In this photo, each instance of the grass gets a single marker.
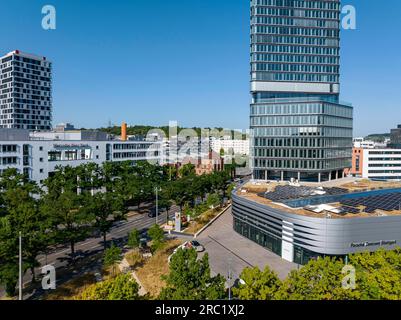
(68, 290)
(200, 221)
(149, 274)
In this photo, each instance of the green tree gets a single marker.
(156, 233)
(320, 279)
(107, 208)
(190, 279)
(213, 200)
(111, 256)
(187, 170)
(122, 287)
(20, 213)
(257, 284)
(134, 239)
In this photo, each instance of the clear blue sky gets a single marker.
(148, 62)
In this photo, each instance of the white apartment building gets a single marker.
(230, 146)
(37, 154)
(382, 164)
(25, 91)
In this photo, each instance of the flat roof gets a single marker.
(353, 203)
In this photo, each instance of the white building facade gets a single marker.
(37, 154)
(382, 164)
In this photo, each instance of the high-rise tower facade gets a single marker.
(300, 129)
(25, 91)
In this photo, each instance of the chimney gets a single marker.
(124, 132)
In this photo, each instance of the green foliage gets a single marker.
(112, 256)
(134, 239)
(20, 213)
(122, 287)
(213, 200)
(320, 279)
(156, 233)
(187, 170)
(190, 279)
(377, 277)
(258, 285)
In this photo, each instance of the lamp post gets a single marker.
(20, 266)
(157, 202)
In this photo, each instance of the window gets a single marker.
(41, 170)
(40, 148)
(41, 159)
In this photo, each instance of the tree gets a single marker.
(156, 233)
(258, 285)
(134, 239)
(190, 279)
(320, 279)
(187, 170)
(107, 208)
(122, 287)
(20, 214)
(111, 256)
(378, 274)
(213, 200)
(63, 203)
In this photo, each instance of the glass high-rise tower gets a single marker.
(299, 127)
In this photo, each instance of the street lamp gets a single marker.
(20, 266)
(157, 202)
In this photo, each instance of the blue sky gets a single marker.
(148, 62)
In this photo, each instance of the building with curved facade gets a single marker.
(296, 234)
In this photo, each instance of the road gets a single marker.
(60, 258)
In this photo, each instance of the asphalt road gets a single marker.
(60, 258)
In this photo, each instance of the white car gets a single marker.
(188, 245)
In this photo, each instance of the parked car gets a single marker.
(188, 245)
(197, 246)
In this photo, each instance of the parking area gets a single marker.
(230, 251)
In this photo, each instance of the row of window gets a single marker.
(303, 142)
(298, 13)
(300, 77)
(288, 58)
(301, 120)
(293, 22)
(303, 131)
(278, 164)
(312, 41)
(302, 108)
(316, 4)
(326, 51)
(303, 153)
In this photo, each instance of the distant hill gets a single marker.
(378, 137)
(142, 130)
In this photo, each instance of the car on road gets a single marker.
(188, 245)
(197, 246)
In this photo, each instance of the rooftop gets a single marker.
(357, 199)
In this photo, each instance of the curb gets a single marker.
(211, 221)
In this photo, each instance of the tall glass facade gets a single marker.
(300, 129)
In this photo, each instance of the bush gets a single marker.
(112, 255)
(122, 287)
(134, 258)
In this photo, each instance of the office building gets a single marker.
(300, 129)
(38, 154)
(25, 91)
(395, 137)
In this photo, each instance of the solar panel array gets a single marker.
(282, 193)
(385, 202)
